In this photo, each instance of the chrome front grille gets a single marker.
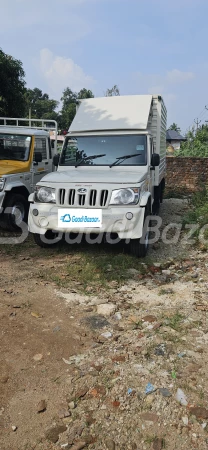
(93, 198)
(103, 197)
(62, 193)
(71, 197)
(81, 199)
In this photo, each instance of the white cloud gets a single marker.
(59, 72)
(176, 76)
(163, 83)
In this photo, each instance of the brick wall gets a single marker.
(186, 174)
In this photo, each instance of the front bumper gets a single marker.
(113, 221)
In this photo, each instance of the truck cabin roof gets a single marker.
(22, 130)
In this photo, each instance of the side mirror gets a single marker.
(155, 160)
(56, 160)
(38, 157)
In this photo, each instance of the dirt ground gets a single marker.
(95, 345)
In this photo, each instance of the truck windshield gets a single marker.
(14, 147)
(76, 150)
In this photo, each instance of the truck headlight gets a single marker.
(2, 183)
(128, 196)
(45, 194)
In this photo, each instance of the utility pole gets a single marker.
(197, 122)
(30, 117)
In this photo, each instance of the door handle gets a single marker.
(46, 162)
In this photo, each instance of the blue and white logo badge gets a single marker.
(66, 218)
(79, 218)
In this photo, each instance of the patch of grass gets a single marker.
(201, 395)
(137, 325)
(176, 193)
(18, 248)
(94, 267)
(149, 439)
(165, 291)
(149, 350)
(175, 321)
(197, 323)
(153, 438)
(171, 338)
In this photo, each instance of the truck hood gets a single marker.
(96, 176)
(8, 167)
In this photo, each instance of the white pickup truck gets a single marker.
(25, 157)
(110, 176)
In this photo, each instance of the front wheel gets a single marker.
(47, 240)
(139, 247)
(15, 212)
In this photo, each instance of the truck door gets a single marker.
(42, 145)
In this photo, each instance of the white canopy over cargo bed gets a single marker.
(112, 113)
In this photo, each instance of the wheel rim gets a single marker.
(18, 213)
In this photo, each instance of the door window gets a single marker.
(40, 147)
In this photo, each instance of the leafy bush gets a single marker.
(198, 213)
(195, 145)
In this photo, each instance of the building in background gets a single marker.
(173, 140)
(60, 141)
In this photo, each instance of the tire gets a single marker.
(139, 247)
(157, 201)
(46, 240)
(162, 192)
(13, 220)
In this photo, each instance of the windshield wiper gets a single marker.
(120, 159)
(88, 157)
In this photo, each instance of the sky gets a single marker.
(143, 46)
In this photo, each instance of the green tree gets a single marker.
(114, 91)
(42, 107)
(195, 145)
(12, 86)
(85, 93)
(175, 127)
(70, 100)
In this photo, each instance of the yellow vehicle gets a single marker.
(26, 155)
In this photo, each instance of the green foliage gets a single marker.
(70, 100)
(41, 106)
(85, 93)
(198, 214)
(12, 86)
(175, 321)
(196, 145)
(175, 127)
(112, 92)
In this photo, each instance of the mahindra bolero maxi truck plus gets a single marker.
(110, 175)
(25, 157)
